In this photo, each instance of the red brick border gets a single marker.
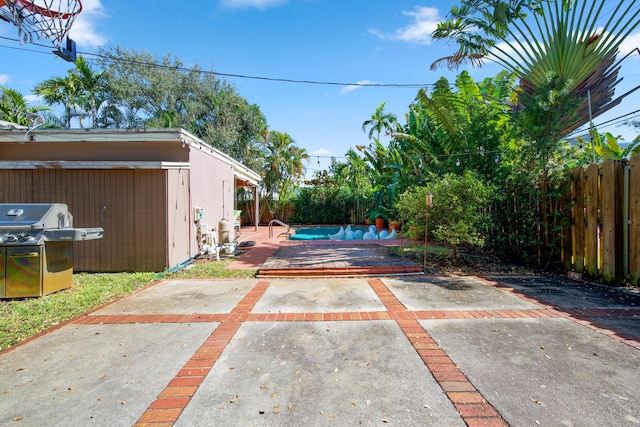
(472, 406)
(582, 316)
(474, 409)
(170, 403)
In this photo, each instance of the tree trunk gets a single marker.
(454, 255)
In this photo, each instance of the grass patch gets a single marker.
(23, 318)
(208, 269)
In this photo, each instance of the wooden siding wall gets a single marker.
(178, 216)
(595, 243)
(129, 204)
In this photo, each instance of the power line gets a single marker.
(263, 78)
(234, 75)
(272, 79)
(231, 75)
(607, 123)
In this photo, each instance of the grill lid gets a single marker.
(73, 234)
(35, 216)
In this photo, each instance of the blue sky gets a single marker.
(341, 41)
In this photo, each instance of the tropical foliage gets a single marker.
(284, 169)
(15, 108)
(380, 121)
(573, 43)
(607, 147)
(564, 53)
(326, 205)
(80, 92)
(494, 153)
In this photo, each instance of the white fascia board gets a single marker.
(169, 135)
(91, 135)
(64, 164)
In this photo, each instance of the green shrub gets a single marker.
(459, 213)
(411, 206)
(329, 205)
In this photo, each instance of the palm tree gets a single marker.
(283, 167)
(15, 108)
(356, 173)
(92, 85)
(572, 41)
(61, 91)
(468, 117)
(78, 92)
(379, 121)
(565, 56)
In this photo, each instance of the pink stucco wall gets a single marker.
(212, 188)
(179, 223)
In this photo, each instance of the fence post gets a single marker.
(578, 222)
(634, 218)
(591, 237)
(566, 224)
(429, 202)
(612, 270)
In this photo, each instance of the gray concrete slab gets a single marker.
(628, 325)
(568, 293)
(550, 372)
(183, 297)
(93, 375)
(461, 293)
(318, 295)
(318, 374)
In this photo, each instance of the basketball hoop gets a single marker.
(44, 19)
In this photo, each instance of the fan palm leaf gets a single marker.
(576, 40)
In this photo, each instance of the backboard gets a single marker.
(43, 20)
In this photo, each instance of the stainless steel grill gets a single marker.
(36, 256)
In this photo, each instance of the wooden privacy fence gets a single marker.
(604, 207)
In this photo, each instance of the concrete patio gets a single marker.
(394, 350)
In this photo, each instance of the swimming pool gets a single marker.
(320, 232)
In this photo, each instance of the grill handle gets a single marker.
(23, 255)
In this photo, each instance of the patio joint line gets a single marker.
(170, 403)
(581, 316)
(473, 408)
(470, 403)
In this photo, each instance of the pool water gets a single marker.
(320, 232)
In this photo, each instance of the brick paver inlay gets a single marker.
(472, 406)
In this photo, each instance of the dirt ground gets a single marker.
(471, 261)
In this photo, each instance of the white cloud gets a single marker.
(34, 99)
(358, 85)
(630, 43)
(83, 31)
(425, 22)
(246, 4)
(321, 152)
(4, 79)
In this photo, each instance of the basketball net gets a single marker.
(41, 19)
